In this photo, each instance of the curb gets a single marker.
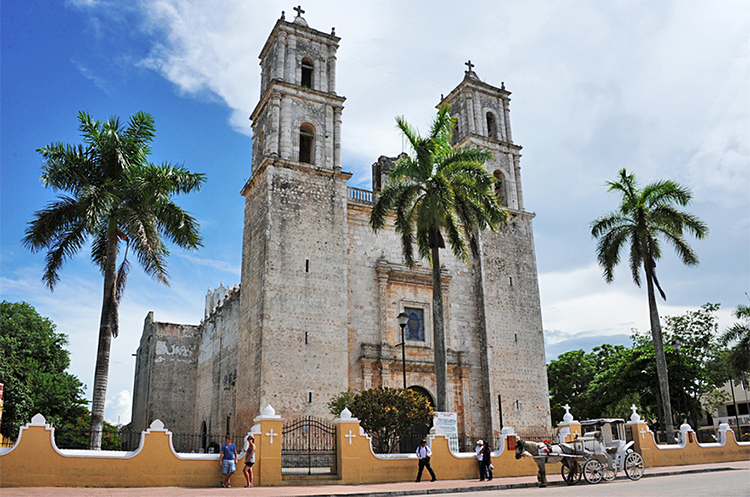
(507, 486)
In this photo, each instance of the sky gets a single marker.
(661, 88)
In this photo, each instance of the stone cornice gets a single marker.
(290, 164)
(292, 28)
(301, 92)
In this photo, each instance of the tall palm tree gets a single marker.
(645, 216)
(441, 190)
(739, 356)
(115, 198)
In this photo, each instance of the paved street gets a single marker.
(723, 479)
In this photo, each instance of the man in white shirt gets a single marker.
(478, 449)
(423, 454)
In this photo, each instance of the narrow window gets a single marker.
(511, 280)
(309, 397)
(228, 419)
(307, 265)
(500, 188)
(515, 337)
(500, 410)
(306, 143)
(305, 338)
(307, 73)
(491, 126)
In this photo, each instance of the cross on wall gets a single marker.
(350, 436)
(271, 434)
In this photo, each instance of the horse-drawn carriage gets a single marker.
(598, 454)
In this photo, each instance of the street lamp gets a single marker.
(403, 319)
(676, 345)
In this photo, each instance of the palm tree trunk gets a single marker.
(438, 332)
(101, 371)
(661, 360)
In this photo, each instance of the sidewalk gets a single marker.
(373, 490)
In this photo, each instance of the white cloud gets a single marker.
(117, 408)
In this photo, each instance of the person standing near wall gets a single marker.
(228, 460)
(485, 463)
(249, 461)
(423, 454)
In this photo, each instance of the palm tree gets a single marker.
(739, 356)
(440, 190)
(115, 198)
(643, 218)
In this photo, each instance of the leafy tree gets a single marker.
(115, 198)
(385, 413)
(608, 380)
(569, 377)
(702, 356)
(74, 434)
(33, 363)
(440, 190)
(645, 216)
(739, 333)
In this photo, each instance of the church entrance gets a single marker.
(308, 447)
(410, 441)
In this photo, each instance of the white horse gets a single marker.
(549, 454)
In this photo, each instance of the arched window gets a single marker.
(491, 126)
(500, 187)
(204, 438)
(306, 143)
(307, 73)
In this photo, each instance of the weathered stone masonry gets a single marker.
(316, 313)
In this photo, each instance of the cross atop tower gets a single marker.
(299, 10)
(469, 65)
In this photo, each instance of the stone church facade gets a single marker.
(316, 310)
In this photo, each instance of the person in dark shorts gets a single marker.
(249, 461)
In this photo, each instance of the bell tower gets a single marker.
(509, 331)
(291, 351)
(298, 117)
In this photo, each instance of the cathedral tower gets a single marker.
(292, 353)
(509, 321)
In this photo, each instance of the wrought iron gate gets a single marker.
(308, 442)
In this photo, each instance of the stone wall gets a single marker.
(165, 375)
(217, 366)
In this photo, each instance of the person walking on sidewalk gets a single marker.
(423, 454)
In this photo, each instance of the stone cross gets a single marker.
(469, 65)
(272, 434)
(299, 10)
(350, 436)
(643, 433)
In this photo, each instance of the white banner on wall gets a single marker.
(448, 423)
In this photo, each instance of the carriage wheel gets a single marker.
(634, 466)
(571, 476)
(609, 474)
(593, 471)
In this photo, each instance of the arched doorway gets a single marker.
(410, 441)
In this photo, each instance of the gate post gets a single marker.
(268, 446)
(351, 447)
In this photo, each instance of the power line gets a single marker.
(391, 73)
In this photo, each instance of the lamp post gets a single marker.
(403, 319)
(676, 345)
